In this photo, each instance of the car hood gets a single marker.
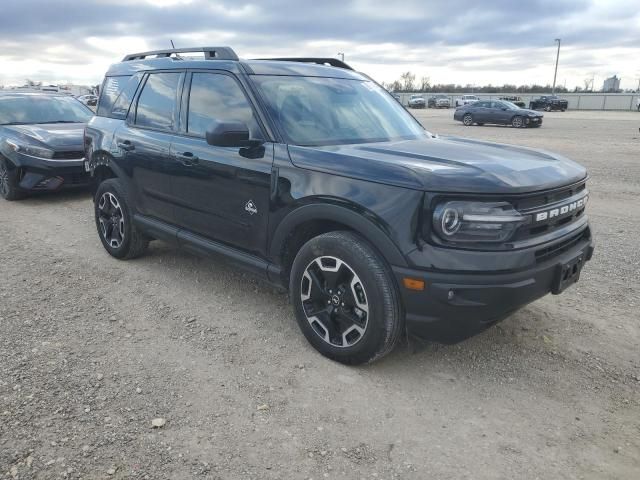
(530, 112)
(444, 164)
(57, 136)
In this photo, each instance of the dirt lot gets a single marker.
(93, 349)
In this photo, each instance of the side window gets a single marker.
(484, 104)
(157, 103)
(217, 97)
(111, 88)
(121, 105)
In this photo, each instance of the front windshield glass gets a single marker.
(29, 109)
(333, 111)
(509, 105)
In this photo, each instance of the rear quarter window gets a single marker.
(116, 95)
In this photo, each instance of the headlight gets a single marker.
(460, 221)
(31, 150)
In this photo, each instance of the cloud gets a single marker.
(498, 42)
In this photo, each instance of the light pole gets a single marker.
(341, 55)
(555, 73)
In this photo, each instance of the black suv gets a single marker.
(316, 178)
(548, 103)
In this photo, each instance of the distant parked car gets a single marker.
(465, 100)
(438, 101)
(416, 101)
(515, 100)
(497, 112)
(89, 100)
(548, 103)
(397, 97)
(41, 143)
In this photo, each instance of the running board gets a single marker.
(204, 247)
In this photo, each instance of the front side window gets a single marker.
(332, 111)
(157, 103)
(30, 109)
(218, 97)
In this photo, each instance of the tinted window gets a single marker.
(111, 88)
(331, 111)
(157, 102)
(217, 97)
(482, 104)
(26, 109)
(121, 105)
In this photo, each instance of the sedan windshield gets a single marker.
(509, 105)
(29, 109)
(331, 111)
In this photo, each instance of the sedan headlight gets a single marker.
(31, 150)
(460, 221)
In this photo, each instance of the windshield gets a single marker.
(331, 111)
(509, 105)
(29, 109)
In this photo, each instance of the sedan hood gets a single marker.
(444, 164)
(526, 111)
(57, 136)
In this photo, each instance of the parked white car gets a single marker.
(465, 100)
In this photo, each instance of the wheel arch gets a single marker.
(310, 220)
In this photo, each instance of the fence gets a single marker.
(577, 101)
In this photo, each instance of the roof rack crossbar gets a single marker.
(210, 53)
(334, 62)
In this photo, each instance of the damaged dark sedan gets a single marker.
(41, 143)
(497, 112)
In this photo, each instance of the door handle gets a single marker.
(187, 158)
(126, 145)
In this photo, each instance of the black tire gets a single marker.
(9, 189)
(547, 108)
(481, 124)
(372, 278)
(517, 122)
(133, 243)
(467, 119)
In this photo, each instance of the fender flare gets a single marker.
(329, 212)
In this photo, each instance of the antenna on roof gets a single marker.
(172, 45)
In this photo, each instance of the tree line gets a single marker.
(408, 83)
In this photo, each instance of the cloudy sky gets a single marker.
(451, 41)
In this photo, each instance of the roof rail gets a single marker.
(210, 53)
(334, 62)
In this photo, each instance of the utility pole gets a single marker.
(555, 73)
(342, 55)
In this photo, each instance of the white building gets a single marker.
(611, 84)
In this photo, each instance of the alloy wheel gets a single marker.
(517, 122)
(334, 301)
(111, 219)
(4, 179)
(467, 120)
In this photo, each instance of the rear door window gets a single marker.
(157, 104)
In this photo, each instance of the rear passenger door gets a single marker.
(144, 141)
(221, 193)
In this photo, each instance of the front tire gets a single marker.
(114, 221)
(467, 119)
(345, 298)
(9, 189)
(517, 122)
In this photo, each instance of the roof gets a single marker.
(31, 93)
(224, 58)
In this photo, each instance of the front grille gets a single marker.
(69, 155)
(561, 247)
(544, 202)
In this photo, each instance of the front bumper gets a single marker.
(40, 174)
(455, 306)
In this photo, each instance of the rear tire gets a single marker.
(9, 189)
(467, 119)
(345, 298)
(114, 221)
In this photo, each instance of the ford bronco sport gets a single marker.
(316, 178)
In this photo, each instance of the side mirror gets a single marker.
(230, 133)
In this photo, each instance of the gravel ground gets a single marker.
(93, 350)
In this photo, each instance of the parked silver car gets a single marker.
(416, 101)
